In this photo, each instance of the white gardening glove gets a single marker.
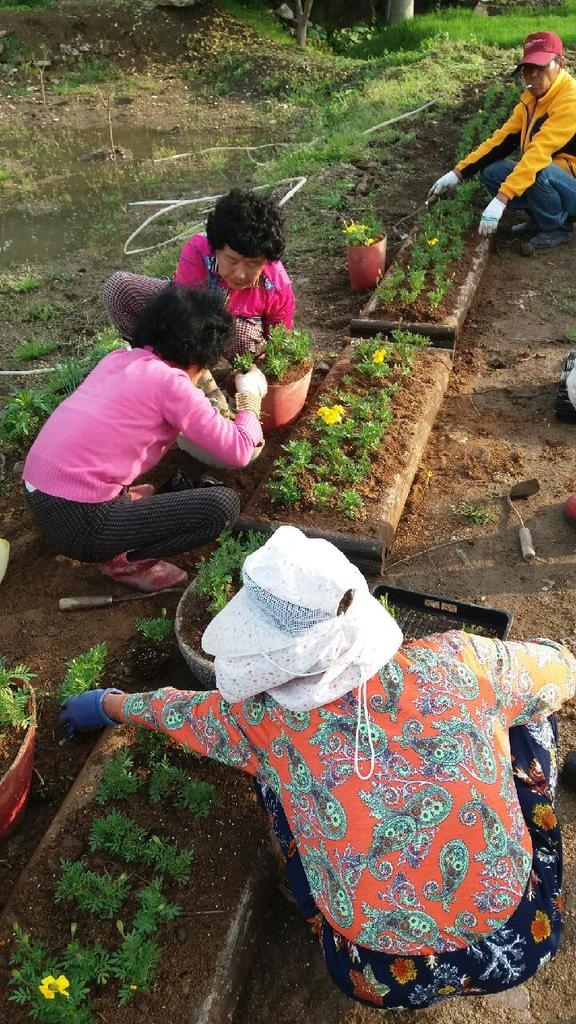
(571, 386)
(447, 181)
(491, 217)
(252, 383)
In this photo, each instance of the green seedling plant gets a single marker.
(29, 283)
(45, 984)
(134, 964)
(218, 576)
(285, 347)
(479, 512)
(91, 890)
(83, 672)
(15, 709)
(123, 837)
(157, 630)
(118, 780)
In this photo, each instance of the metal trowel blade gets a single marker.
(524, 488)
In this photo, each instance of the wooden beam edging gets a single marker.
(234, 959)
(391, 507)
(367, 326)
(366, 552)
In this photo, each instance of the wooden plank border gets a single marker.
(442, 335)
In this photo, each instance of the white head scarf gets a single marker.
(282, 633)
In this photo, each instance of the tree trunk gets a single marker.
(302, 15)
(400, 10)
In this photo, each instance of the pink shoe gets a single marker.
(570, 508)
(147, 574)
(141, 491)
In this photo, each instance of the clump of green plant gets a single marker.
(118, 781)
(480, 512)
(219, 575)
(28, 283)
(194, 795)
(123, 837)
(366, 232)
(157, 629)
(90, 890)
(34, 349)
(285, 347)
(15, 710)
(387, 605)
(27, 409)
(83, 672)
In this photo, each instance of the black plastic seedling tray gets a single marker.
(563, 407)
(419, 615)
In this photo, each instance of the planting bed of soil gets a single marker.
(190, 943)
(496, 426)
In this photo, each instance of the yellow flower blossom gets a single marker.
(331, 414)
(51, 985)
(133, 988)
(379, 355)
(432, 241)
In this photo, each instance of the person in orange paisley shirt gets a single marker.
(410, 785)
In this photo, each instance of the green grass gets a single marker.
(95, 71)
(479, 512)
(29, 283)
(261, 20)
(34, 349)
(40, 312)
(459, 25)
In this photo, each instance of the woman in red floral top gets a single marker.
(411, 786)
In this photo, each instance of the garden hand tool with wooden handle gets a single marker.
(524, 489)
(70, 604)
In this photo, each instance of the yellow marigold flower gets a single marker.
(51, 985)
(403, 970)
(543, 815)
(350, 228)
(540, 926)
(133, 988)
(331, 414)
(432, 241)
(369, 241)
(379, 355)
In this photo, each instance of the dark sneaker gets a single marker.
(549, 239)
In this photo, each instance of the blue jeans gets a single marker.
(550, 201)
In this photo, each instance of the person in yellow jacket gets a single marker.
(542, 127)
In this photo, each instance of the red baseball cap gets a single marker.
(540, 48)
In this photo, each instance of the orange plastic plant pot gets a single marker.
(283, 402)
(366, 264)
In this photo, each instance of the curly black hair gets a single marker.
(249, 224)
(188, 328)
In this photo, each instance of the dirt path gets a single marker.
(496, 426)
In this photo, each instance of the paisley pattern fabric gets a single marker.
(507, 957)
(433, 853)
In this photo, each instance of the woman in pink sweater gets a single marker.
(239, 256)
(120, 422)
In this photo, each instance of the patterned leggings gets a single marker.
(125, 296)
(154, 527)
(504, 959)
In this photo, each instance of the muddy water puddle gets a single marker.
(68, 193)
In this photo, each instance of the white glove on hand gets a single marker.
(252, 383)
(447, 181)
(491, 217)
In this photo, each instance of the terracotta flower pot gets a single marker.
(283, 402)
(366, 264)
(15, 783)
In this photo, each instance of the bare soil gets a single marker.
(496, 426)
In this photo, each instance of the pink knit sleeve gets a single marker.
(189, 411)
(192, 270)
(280, 307)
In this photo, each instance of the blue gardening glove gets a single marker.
(85, 712)
(491, 217)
